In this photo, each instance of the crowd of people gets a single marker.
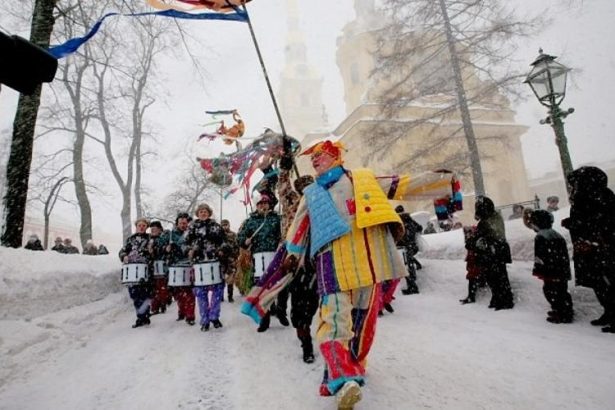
(330, 254)
(66, 246)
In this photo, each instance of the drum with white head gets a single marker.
(207, 273)
(160, 269)
(261, 262)
(180, 276)
(133, 273)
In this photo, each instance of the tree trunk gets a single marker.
(49, 205)
(138, 200)
(20, 159)
(477, 172)
(85, 227)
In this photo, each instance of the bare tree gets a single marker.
(18, 167)
(459, 50)
(191, 188)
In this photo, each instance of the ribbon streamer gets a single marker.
(73, 44)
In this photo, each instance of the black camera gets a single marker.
(25, 65)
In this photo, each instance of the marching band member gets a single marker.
(205, 238)
(228, 263)
(177, 255)
(156, 249)
(135, 250)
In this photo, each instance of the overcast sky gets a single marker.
(583, 38)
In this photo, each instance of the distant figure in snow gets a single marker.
(90, 248)
(552, 203)
(34, 244)
(58, 245)
(429, 228)
(102, 250)
(517, 212)
(68, 246)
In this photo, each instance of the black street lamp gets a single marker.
(548, 82)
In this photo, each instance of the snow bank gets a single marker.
(34, 283)
(449, 245)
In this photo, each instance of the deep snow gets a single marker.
(66, 343)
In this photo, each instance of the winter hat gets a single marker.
(328, 147)
(205, 207)
(33, 237)
(58, 239)
(483, 208)
(156, 224)
(542, 219)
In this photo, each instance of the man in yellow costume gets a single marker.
(346, 225)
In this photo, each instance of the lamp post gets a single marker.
(547, 78)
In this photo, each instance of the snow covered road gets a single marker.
(431, 353)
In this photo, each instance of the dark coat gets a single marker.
(58, 248)
(34, 245)
(136, 248)
(178, 256)
(411, 230)
(267, 238)
(489, 244)
(205, 237)
(592, 226)
(551, 260)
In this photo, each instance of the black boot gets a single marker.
(308, 349)
(389, 308)
(264, 325)
(230, 293)
(601, 321)
(283, 319)
(217, 323)
(138, 323)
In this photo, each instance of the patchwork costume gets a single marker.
(346, 217)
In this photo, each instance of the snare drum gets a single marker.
(261, 262)
(159, 269)
(132, 273)
(207, 273)
(180, 275)
(404, 255)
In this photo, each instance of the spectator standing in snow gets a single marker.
(492, 252)
(552, 203)
(135, 250)
(102, 250)
(429, 228)
(474, 274)
(90, 248)
(34, 244)
(68, 246)
(552, 266)
(58, 245)
(592, 229)
(410, 245)
(517, 212)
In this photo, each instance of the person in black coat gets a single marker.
(552, 266)
(492, 252)
(409, 243)
(592, 229)
(34, 244)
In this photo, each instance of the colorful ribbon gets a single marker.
(73, 44)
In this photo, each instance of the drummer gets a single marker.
(205, 238)
(156, 250)
(261, 233)
(177, 255)
(135, 250)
